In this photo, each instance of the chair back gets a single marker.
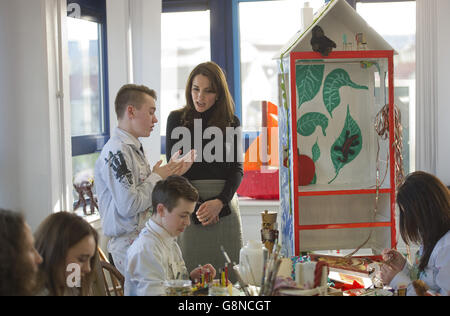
(117, 279)
(110, 279)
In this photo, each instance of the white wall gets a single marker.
(117, 13)
(134, 52)
(146, 29)
(29, 167)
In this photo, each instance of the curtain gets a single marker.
(427, 85)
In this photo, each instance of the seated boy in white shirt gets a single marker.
(155, 256)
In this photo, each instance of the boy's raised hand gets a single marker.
(162, 171)
(184, 163)
(176, 165)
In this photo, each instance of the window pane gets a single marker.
(85, 77)
(398, 27)
(265, 27)
(183, 48)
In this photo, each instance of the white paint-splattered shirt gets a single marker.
(153, 258)
(124, 184)
(436, 274)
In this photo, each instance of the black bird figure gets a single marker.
(320, 43)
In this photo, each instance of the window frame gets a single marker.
(95, 11)
(353, 2)
(224, 36)
(184, 5)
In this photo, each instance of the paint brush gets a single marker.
(265, 256)
(238, 275)
(226, 274)
(242, 283)
(225, 254)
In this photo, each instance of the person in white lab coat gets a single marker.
(123, 178)
(155, 256)
(424, 204)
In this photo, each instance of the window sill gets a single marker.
(91, 219)
(245, 201)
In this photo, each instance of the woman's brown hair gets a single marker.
(424, 204)
(16, 277)
(53, 239)
(223, 114)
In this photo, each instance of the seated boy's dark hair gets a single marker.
(167, 192)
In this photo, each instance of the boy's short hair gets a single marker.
(167, 192)
(131, 94)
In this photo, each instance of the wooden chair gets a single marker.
(116, 277)
(116, 286)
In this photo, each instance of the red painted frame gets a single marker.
(342, 192)
(380, 54)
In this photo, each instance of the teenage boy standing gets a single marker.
(123, 179)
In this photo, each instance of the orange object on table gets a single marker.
(346, 287)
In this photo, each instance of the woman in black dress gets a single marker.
(207, 124)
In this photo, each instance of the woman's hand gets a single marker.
(196, 274)
(208, 212)
(394, 262)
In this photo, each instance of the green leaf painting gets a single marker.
(315, 157)
(316, 152)
(314, 180)
(308, 123)
(335, 80)
(309, 80)
(348, 146)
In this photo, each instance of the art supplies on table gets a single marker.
(251, 262)
(271, 268)
(178, 287)
(222, 286)
(360, 265)
(241, 282)
(269, 230)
